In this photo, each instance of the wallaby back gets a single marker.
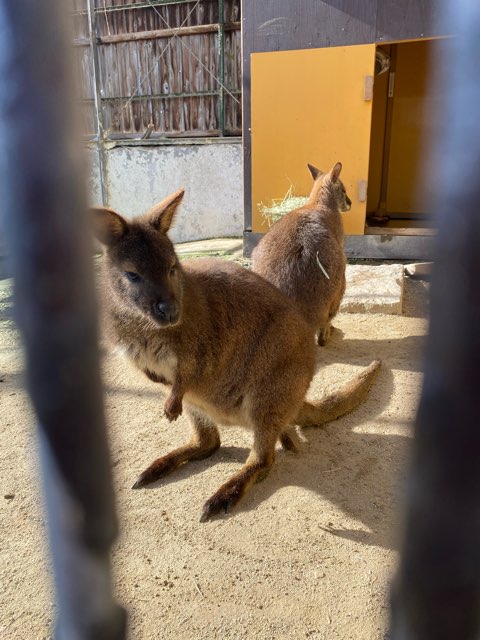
(228, 344)
(302, 254)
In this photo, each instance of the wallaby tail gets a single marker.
(343, 401)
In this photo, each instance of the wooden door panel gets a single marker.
(310, 106)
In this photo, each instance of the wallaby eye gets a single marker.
(133, 277)
(173, 270)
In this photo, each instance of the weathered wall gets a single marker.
(137, 177)
(172, 79)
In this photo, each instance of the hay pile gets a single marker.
(281, 206)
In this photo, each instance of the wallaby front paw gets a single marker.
(172, 408)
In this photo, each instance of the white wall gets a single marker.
(138, 177)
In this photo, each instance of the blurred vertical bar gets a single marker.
(43, 201)
(436, 594)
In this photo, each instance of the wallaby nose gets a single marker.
(167, 312)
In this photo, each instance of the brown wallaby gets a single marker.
(302, 254)
(230, 346)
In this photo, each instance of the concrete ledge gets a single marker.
(390, 247)
(374, 247)
(374, 289)
(370, 288)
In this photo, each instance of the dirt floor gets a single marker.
(310, 552)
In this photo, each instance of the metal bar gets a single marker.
(158, 34)
(168, 137)
(221, 66)
(132, 7)
(44, 205)
(95, 68)
(177, 140)
(161, 96)
(248, 34)
(437, 589)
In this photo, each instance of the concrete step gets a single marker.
(370, 288)
(374, 288)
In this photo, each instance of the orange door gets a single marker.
(313, 105)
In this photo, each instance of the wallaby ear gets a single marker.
(161, 215)
(314, 171)
(335, 172)
(108, 226)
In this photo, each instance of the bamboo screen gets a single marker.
(166, 68)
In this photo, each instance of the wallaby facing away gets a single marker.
(302, 254)
(230, 346)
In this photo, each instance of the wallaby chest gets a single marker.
(151, 355)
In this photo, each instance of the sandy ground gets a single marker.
(309, 553)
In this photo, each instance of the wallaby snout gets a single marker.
(166, 313)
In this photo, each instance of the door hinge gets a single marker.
(391, 83)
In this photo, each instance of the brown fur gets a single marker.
(288, 254)
(228, 345)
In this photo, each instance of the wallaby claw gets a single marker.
(158, 469)
(205, 515)
(139, 482)
(212, 509)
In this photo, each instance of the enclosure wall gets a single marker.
(137, 177)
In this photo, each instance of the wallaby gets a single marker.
(302, 253)
(230, 346)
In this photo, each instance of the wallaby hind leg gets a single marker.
(289, 440)
(323, 323)
(324, 334)
(255, 469)
(326, 328)
(205, 440)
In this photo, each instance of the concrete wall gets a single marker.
(138, 177)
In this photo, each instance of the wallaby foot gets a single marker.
(323, 335)
(288, 442)
(232, 491)
(205, 441)
(254, 470)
